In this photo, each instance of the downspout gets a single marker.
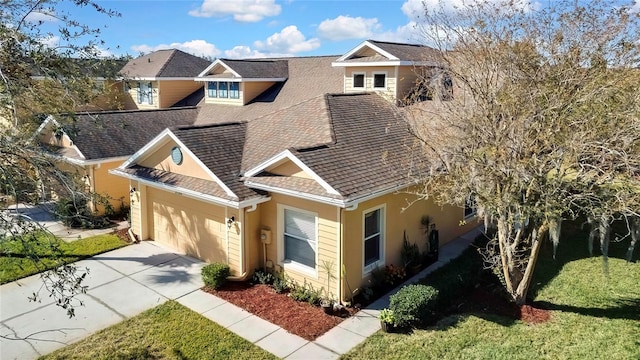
(340, 252)
(243, 249)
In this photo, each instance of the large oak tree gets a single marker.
(543, 125)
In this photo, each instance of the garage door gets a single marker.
(188, 226)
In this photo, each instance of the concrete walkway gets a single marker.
(125, 282)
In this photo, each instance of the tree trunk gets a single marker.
(520, 295)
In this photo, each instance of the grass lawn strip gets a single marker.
(594, 316)
(16, 264)
(168, 331)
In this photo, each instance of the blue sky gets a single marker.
(251, 28)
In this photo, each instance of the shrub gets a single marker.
(306, 293)
(215, 275)
(413, 304)
(262, 277)
(280, 283)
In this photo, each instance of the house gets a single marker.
(94, 143)
(291, 165)
(163, 79)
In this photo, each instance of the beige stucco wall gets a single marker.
(249, 90)
(406, 80)
(288, 168)
(172, 91)
(327, 239)
(113, 187)
(161, 159)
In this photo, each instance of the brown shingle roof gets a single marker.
(186, 182)
(170, 63)
(259, 68)
(407, 52)
(302, 125)
(372, 148)
(308, 78)
(219, 147)
(121, 133)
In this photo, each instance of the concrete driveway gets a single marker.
(122, 283)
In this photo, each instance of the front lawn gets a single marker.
(47, 251)
(168, 331)
(593, 316)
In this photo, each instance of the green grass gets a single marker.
(168, 331)
(40, 252)
(594, 316)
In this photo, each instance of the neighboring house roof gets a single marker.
(250, 69)
(111, 134)
(171, 63)
(308, 77)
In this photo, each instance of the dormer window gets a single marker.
(145, 92)
(358, 80)
(223, 89)
(380, 81)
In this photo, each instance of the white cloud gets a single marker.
(408, 33)
(50, 41)
(242, 10)
(243, 52)
(288, 41)
(347, 27)
(40, 16)
(195, 47)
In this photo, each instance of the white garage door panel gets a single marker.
(189, 226)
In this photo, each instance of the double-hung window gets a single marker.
(373, 239)
(300, 238)
(145, 93)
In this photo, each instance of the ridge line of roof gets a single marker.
(173, 54)
(212, 125)
(398, 43)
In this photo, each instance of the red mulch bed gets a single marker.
(299, 318)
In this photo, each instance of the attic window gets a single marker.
(176, 155)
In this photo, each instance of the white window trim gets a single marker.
(373, 80)
(364, 80)
(289, 265)
(367, 269)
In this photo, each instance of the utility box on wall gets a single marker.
(265, 236)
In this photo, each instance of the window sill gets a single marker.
(293, 266)
(367, 270)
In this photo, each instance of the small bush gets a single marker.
(262, 277)
(413, 304)
(280, 283)
(306, 293)
(215, 275)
